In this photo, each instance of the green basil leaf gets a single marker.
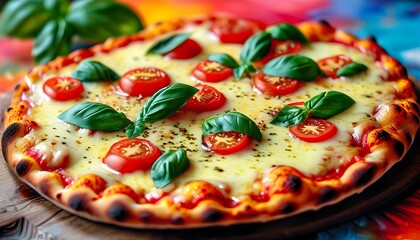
(99, 20)
(164, 103)
(95, 116)
(94, 71)
(293, 66)
(328, 104)
(242, 69)
(286, 31)
(351, 69)
(224, 59)
(256, 47)
(231, 121)
(169, 166)
(289, 116)
(54, 40)
(168, 44)
(23, 18)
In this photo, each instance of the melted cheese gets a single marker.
(238, 170)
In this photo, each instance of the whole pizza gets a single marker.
(213, 121)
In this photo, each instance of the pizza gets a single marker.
(211, 122)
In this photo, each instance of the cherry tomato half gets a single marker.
(280, 48)
(188, 49)
(143, 82)
(132, 154)
(207, 99)
(314, 130)
(209, 71)
(331, 65)
(275, 86)
(232, 30)
(225, 142)
(63, 88)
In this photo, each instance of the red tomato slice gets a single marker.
(132, 154)
(331, 65)
(209, 71)
(143, 82)
(280, 48)
(275, 86)
(63, 88)
(232, 30)
(314, 130)
(207, 99)
(188, 49)
(225, 142)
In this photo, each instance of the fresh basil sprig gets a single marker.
(293, 66)
(286, 31)
(323, 105)
(162, 104)
(94, 71)
(54, 23)
(224, 59)
(169, 166)
(95, 116)
(168, 44)
(231, 121)
(351, 69)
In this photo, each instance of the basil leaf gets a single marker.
(293, 66)
(23, 18)
(224, 59)
(351, 69)
(290, 115)
(168, 44)
(95, 116)
(242, 69)
(286, 31)
(54, 40)
(328, 104)
(98, 20)
(169, 166)
(256, 47)
(94, 71)
(162, 104)
(231, 121)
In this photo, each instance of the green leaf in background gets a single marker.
(98, 20)
(169, 166)
(256, 47)
(290, 115)
(286, 31)
(168, 44)
(94, 71)
(351, 69)
(328, 104)
(293, 66)
(224, 59)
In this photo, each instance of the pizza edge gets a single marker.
(289, 191)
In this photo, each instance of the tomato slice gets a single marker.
(207, 99)
(209, 71)
(188, 49)
(275, 86)
(132, 154)
(225, 142)
(232, 30)
(314, 130)
(331, 65)
(280, 48)
(143, 82)
(63, 88)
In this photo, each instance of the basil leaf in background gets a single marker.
(328, 104)
(168, 44)
(231, 121)
(293, 66)
(256, 47)
(286, 31)
(224, 59)
(95, 116)
(169, 166)
(54, 40)
(99, 20)
(94, 71)
(289, 116)
(164, 103)
(351, 69)
(23, 18)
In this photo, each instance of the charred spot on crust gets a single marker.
(212, 215)
(177, 220)
(325, 23)
(45, 187)
(327, 194)
(416, 119)
(78, 202)
(9, 133)
(382, 135)
(286, 208)
(145, 216)
(399, 148)
(23, 167)
(293, 183)
(414, 106)
(363, 176)
(408, 137)
(118, 211)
